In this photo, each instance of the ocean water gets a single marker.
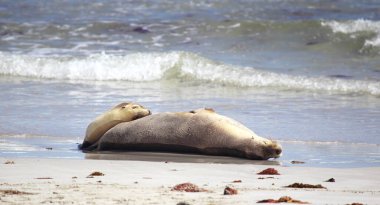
(304, 73)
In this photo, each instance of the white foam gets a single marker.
(373, 42)
(142, 67)
(226, 74)
(134, 67)
(355, 26)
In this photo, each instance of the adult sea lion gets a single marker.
(201, 131)
(123, 112)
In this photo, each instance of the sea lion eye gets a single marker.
(135, 107)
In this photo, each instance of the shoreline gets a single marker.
(65, 181)
(314, 154)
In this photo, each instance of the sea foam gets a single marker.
(143, 67)
(354, 26)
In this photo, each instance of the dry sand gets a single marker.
(65, 181)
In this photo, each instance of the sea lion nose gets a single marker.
(149, 112)
(278, 151)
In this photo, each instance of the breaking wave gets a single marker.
(144, 67)
(356, 27)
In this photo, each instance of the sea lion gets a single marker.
(123, 112)
(202, 131)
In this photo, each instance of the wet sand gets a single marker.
(68, 181)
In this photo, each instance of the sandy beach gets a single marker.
(303, 73)
(68, 181)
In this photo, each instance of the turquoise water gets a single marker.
(306, 73)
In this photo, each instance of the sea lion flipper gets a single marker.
(84, 145)
(91, 147)
(210, 110)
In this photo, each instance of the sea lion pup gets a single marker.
(123, 112)
(201, 131)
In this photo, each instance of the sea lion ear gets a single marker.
(122, 105)
(192, 111)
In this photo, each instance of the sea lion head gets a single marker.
(129, 111)
(123, 112)
(236, 136)
(262, 148)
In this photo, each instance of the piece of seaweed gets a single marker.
(95, 174)
(309, 186)
(230, 191)
(187, 187)
(269, 171)
(284, 199)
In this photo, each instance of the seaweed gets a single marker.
(230, 191)
(95, 174)
(309, 186)
(269, 171)
(330, 180)
(187, 187)
(14, 192)
(284, 199)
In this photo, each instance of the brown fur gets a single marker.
(200, 131)
(123, 112)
